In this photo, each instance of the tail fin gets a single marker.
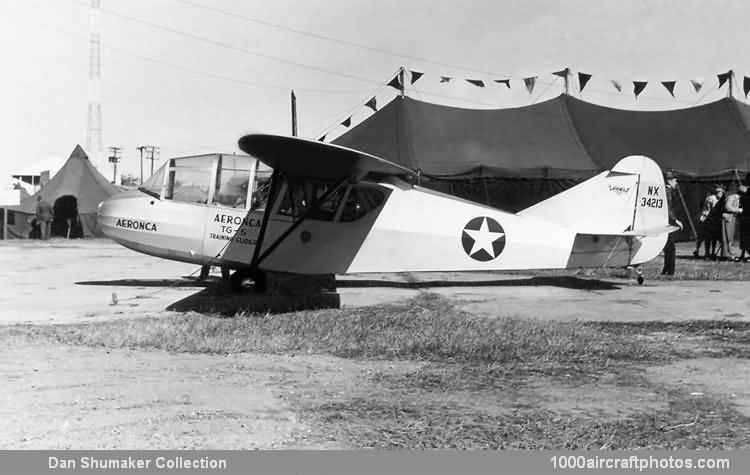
(628, 203)
(631, 198)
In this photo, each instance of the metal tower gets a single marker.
(94, 134)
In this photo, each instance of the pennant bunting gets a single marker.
(415, 76)
(322, 138)
(445, 78)
(347, 122)
(697, 84)
(503, 81)
(476, 82)
(562, 73)
(669, 85)
(395, 82)
(746, 85)
(372, 104)
(723, 78)
(638, 87)
(530, 83)
(616, 84)
(583, 79)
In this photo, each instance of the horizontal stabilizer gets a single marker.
(657, 231)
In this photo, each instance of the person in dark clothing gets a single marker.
(672, 198)
(44, 215)
(744, 220)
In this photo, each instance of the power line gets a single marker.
(331, 38)
(229, 46)
(176, 66)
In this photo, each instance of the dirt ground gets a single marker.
(61, 396)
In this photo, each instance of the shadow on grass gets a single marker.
(566, 281)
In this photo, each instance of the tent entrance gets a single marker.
(66, 222)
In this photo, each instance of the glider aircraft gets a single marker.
(300, 206)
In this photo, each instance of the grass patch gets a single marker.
(419, 411)
(426, 328)
(687, 423)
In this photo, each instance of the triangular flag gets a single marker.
(638, 87)
(395, 82)
(372, 104)
(347, 122)
(583, 79)
(503, 81)
(530, 83)
(322, 138)
(562, 73)
(723, 78)
(617, 84)
(746, 85)
(415, 76)
(670, 86)
(697, 84)
(445, 78)
(476, 82)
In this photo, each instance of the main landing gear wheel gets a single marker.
(245, 278)
(225, 273)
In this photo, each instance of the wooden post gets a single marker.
(294, 115)
(402, 79)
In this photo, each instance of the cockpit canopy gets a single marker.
(224, 180)
(217, 179)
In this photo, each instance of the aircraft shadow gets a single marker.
(568, 282)
(182, 282)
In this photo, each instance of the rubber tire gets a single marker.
(226, 273)
(640, 280)
(258, 277)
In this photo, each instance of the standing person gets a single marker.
(744, 219)
(705, 235)
(713, 222)
(672, 198)
(44, 215)
(728, 221)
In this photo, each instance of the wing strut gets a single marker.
(258, 259)
(266, 216)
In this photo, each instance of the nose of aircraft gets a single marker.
(113, 208)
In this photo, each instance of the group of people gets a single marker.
(720, 214)
(722, 211)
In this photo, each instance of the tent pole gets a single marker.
(402, 78)
(5, 224)
(687, 214)
(731, 82)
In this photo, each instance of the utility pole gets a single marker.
(114, 157)
(294, 115)
(152, 153)
(141, 149)
(731, 82)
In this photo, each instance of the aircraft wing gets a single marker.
(317, 160)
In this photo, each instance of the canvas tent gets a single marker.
(513, 158)
(76, 190)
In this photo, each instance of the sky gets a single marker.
(193, 76)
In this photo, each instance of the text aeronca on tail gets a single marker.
(325, 209)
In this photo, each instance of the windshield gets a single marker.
(153, 185)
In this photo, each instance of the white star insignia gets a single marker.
(483, 239)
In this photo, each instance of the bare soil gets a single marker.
(55, 395)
